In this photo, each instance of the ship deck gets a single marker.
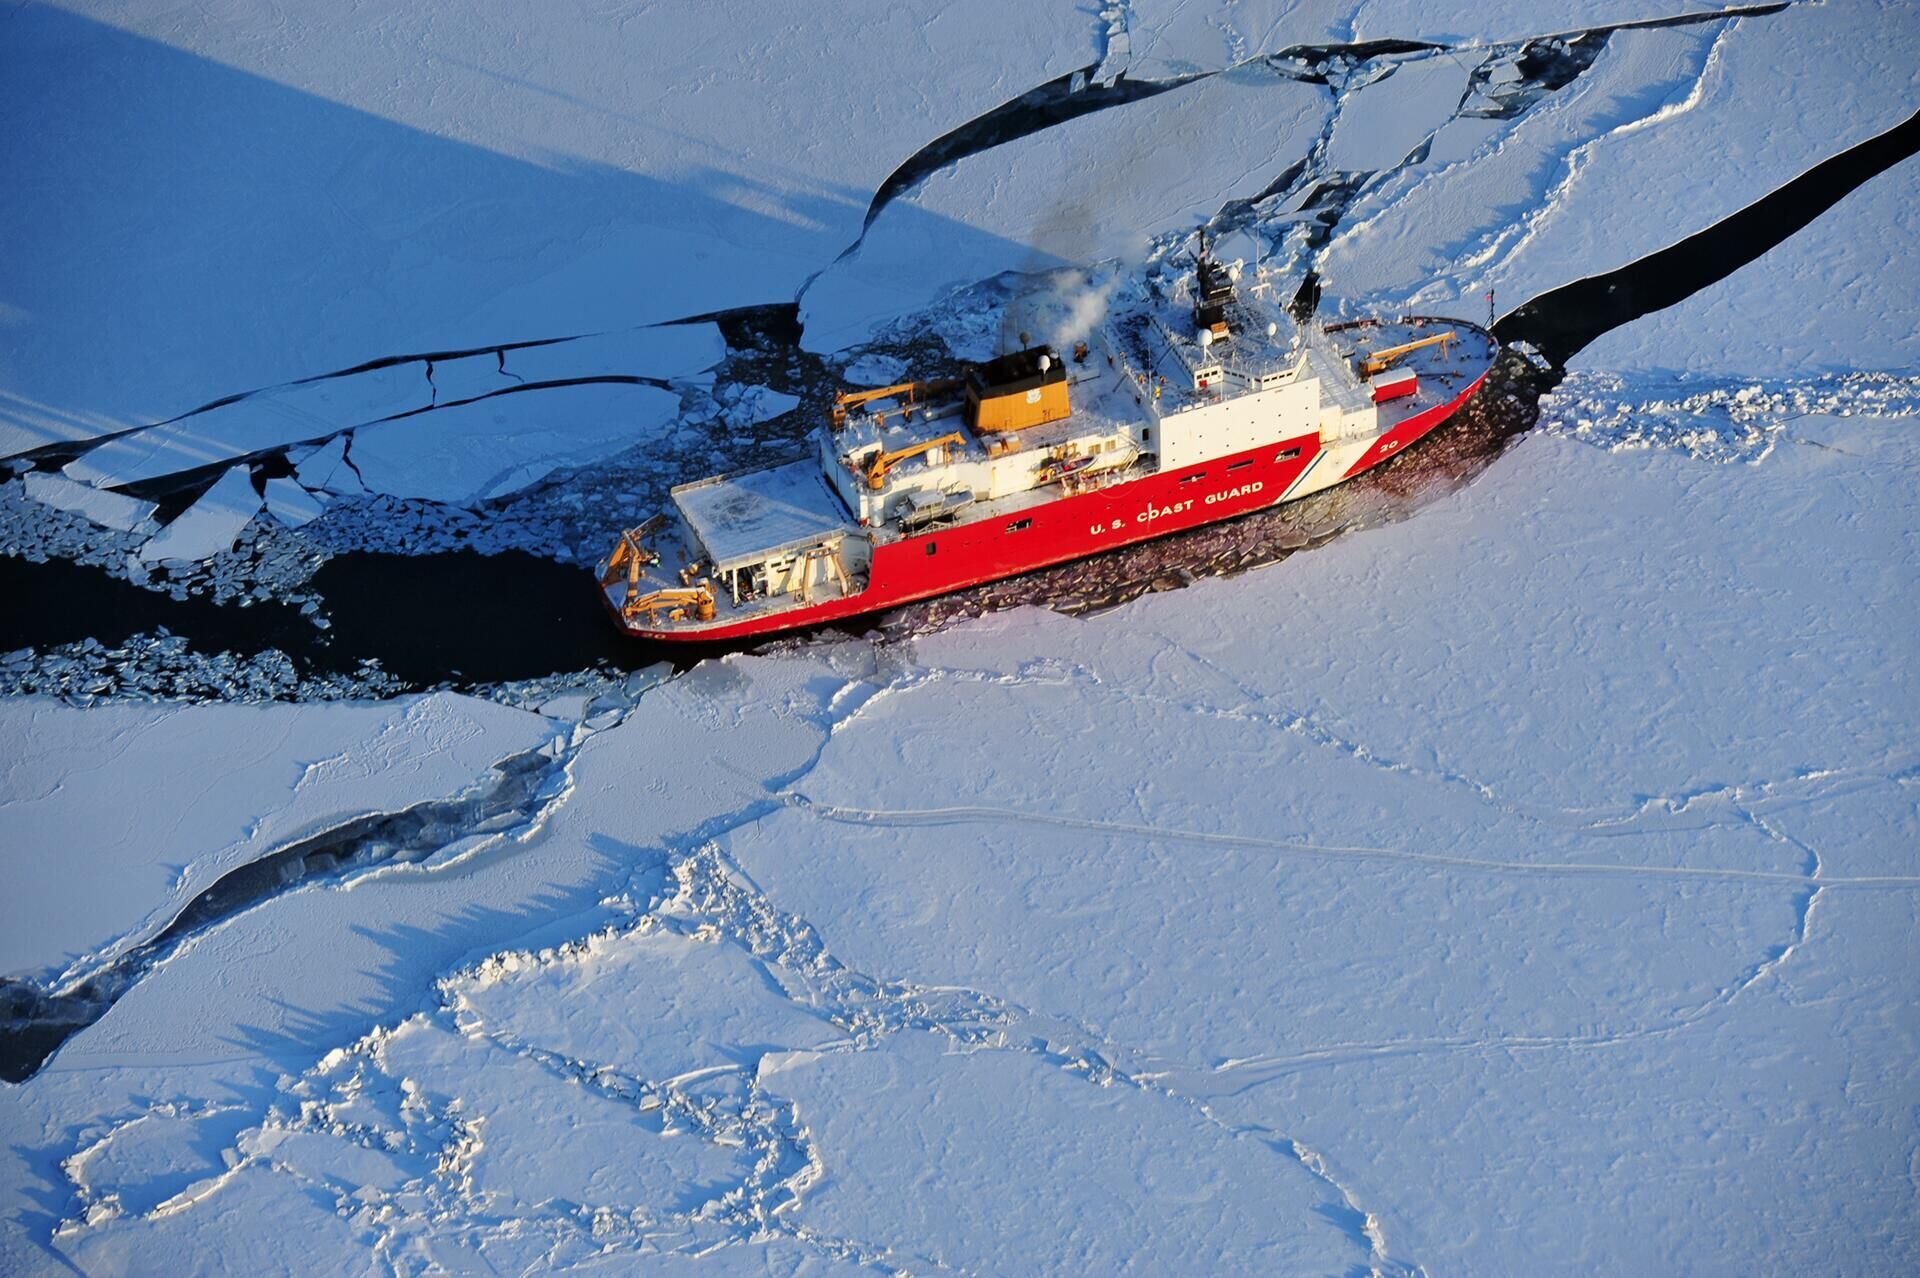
(1103, 402)
(749, 517)
(1443, 371)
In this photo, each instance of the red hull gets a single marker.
(954, 558)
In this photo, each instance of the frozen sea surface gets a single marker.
(1521, 871)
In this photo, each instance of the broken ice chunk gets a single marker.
(497, 446)
(291, 504)
(876, 370)
(252, 423)
(109, 510)
(328, 470)
(210, 525)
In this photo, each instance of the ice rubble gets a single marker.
(1716, 418)
(167, 667)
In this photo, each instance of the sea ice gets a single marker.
(1169, 38)
(328, 469)
(210, 525)
(1827, 300)
(999, 1161)
(165, 799)
(1097, 187)
(526, 172)
(291, 504)
(109, 510)
(254, 423)
(1381, 123)
(1668, 131)
(1533, 876)
(661, 350)
(485, 449)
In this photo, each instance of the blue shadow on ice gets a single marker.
(184, 231)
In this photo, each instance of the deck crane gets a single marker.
(914, 391)
(1375, 361)
(630, 557)
(879, 463)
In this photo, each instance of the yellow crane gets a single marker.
(914, 391)
(630, 557)
(1376, 361)
(879, 463)
(677, 604)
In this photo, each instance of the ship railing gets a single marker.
(1140, 383)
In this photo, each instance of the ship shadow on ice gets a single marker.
(240, 259)
(239, 240)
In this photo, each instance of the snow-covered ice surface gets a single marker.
(320, 188)
(1837, 300)
(1040, 941)
(1607, 168)
(108, 786)
(1525, 877)
(1099, 187)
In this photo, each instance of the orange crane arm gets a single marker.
(912, 390)
(878, 464)
(1374, 361)
(699, 599)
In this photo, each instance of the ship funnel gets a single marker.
(1014, 392)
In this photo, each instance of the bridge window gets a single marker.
(1020, 525)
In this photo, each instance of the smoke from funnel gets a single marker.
(1086, 306)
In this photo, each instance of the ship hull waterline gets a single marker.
(945, 560)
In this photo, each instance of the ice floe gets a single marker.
(291, 504)
(109, 510)
(260, 777)
(212, 524)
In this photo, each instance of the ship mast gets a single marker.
(1214, 292)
